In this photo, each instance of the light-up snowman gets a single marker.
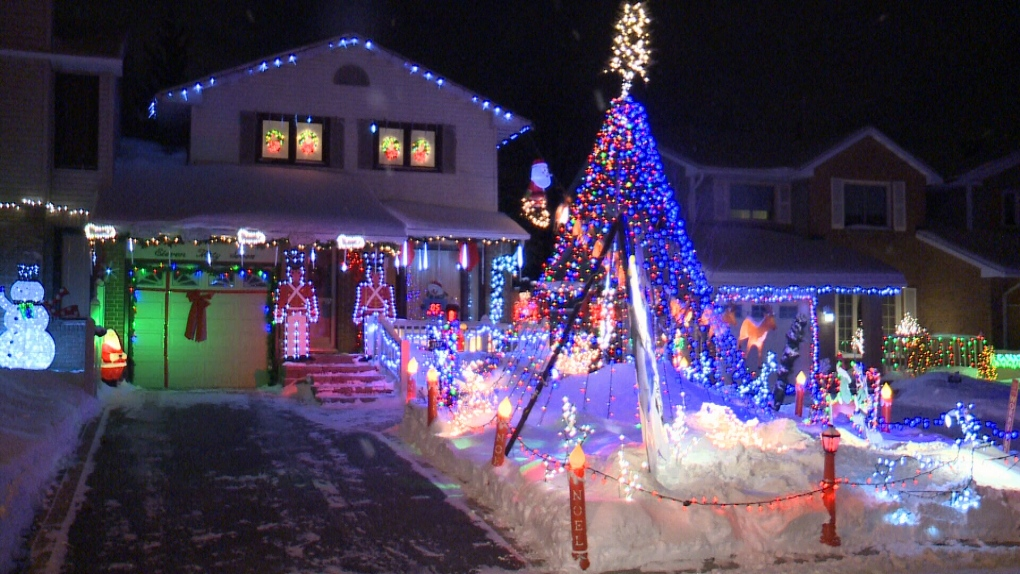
(24, 343)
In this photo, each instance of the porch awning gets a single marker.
(427, 220)
(150, 197)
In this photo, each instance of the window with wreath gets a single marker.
(292, 140)
(408, 146)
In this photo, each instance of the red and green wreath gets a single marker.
(390, 147)
(274, 141)
(421, 150)
(308, 142)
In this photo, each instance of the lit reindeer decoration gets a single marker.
(755, 333)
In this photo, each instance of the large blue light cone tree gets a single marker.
(625, 179)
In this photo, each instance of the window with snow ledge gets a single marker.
(293, 139)
(407, 146)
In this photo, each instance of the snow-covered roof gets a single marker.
(748, 256)
(156, 194)
(426, 220)
(151, 196)
(995, 252)
(992, 168)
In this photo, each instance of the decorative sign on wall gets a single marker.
(350, 241)
(217, 253)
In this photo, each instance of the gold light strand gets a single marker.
(631, 46)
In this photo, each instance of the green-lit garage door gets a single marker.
(233, 354)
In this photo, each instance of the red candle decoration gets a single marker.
(886, 404)
(578, 520)
(502, 427)
(801, 379)
(432, 376)
(412, 370)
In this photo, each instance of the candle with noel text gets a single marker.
(578, 518)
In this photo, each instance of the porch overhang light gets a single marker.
(95, 232)
(827, 315)
(250, 237)
(350, 241)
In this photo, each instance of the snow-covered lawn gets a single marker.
(40, 417)
(766, 470)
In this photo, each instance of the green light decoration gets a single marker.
(421, 150)
(308, 142)
(390, 148)
(274, 141)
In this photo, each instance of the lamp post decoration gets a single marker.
(578, 518)
(830, 444)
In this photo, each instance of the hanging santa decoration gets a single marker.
(535, 207)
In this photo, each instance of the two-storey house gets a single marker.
(353, 155)
(831, 238)
(58, 127)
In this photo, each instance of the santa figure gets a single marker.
(535, 206)
(295, 307)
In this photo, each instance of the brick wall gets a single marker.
(117, 306)
(26, 25)
(866, 160)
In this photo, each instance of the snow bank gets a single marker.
(732, 461)
(40, 418)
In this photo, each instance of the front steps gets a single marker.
(339, 378)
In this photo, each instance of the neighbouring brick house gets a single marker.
(340, 149)
(847, 223)
(58, 127)
(975, 227)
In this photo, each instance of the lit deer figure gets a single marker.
(755, 333)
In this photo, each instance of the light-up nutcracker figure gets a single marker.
(295, 307)
(375, 297)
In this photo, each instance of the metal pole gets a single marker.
(610, 237)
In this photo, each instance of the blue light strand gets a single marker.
(345, 43)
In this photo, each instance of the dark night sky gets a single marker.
(752, 83)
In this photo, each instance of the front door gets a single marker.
(323, 332)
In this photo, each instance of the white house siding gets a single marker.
(393, 94)
(24, 128)
(80, 187)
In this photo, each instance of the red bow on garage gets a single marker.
(196, 328)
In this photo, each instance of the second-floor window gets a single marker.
(76, 125)
(866, 204)
(1010, 208)
(869, 204)
(292, 140)
(752, 201)
(407, 146)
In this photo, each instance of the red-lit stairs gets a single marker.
(339, 378)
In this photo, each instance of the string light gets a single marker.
(631, 45)
(342, 43)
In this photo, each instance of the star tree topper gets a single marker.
(631, 46)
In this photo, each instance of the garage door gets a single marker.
(233, 355)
